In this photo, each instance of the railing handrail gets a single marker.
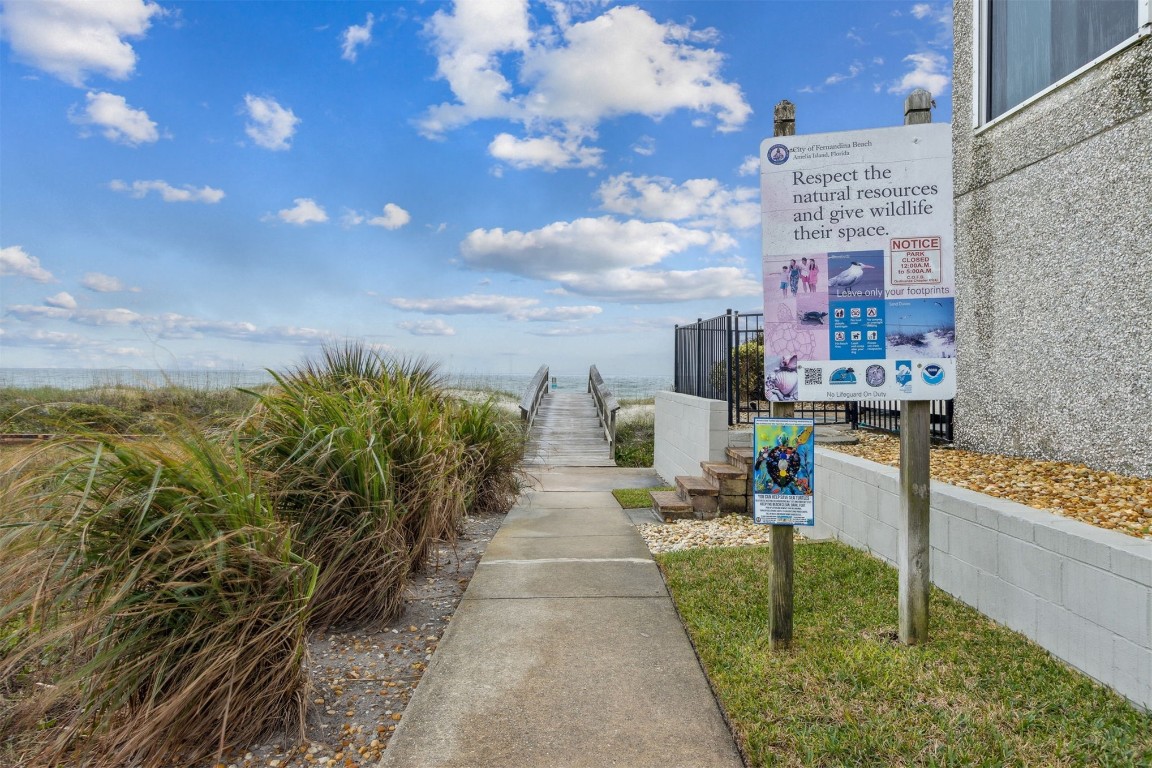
(530, 401)
(606, 407)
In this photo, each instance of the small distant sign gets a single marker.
(784, 471)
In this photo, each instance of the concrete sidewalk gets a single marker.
(566, 649)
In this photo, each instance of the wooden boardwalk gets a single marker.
(567, 433)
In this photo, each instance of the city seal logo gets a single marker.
(842, 376)
(875, 375)
(777, 154)
(932, 374)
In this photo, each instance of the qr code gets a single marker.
(813, 376)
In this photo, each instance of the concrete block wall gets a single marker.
(689, 430)
(1081, 592)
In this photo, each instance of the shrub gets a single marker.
(493, 445)
(636, 440)
(371, 461)
(153, 610)
(749, 365)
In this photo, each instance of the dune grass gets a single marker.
(153, 607)
(849, 694)
(117, 409)
(156, 593)
(636, 440)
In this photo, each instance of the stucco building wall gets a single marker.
(1054, 266)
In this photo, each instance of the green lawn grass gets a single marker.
(849, 694)
(637, 498)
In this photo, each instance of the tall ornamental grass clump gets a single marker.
(492, 442)
(152, 610)
(363, 460)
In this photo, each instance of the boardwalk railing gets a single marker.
(530, 402)
(606, 407)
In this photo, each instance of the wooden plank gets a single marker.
(567, 433)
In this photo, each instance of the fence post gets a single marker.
(780, 536)
(913, 554)
(731, 393)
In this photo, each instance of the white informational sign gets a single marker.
(859, 281)
(784, 471)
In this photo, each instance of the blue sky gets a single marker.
(491, 184)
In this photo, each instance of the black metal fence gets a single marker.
(722, 358)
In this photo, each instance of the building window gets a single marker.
(1030, 45)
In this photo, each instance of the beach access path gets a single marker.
(566, 649)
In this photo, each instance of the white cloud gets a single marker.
(434, 327)
(120, 123)
(929, 71)
(645, 146)
(512, 307)
(62, 300)
(608, 258)
(557, 314)
(657, 286)
(922, 10)
(854, 69)
(394, 217)
(356, 37)
(166, 326)
(750, 166)
(700, 202)
(582, 245)
(167, 192)
(468, 45)
(116, 316)
(580, 80)
(71, 38)
(567, 77)
(306, 211)
(15, 262)
(549, 152)
(34, 311)
(45, 339)
(101, 283)
(471, 304)
(271, 126)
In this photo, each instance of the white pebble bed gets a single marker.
(727, 531)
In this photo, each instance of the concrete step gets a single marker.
(704, 497)
(690, 485)
(730, 480)
(739, 457)
(669, 505)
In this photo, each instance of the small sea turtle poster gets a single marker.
(784, 471)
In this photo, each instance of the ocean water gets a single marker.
(624, 387)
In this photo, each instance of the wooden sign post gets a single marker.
(913, 553)
(781, 536)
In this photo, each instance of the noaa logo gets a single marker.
(932, 374)
(842, 376)
(777, 154)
